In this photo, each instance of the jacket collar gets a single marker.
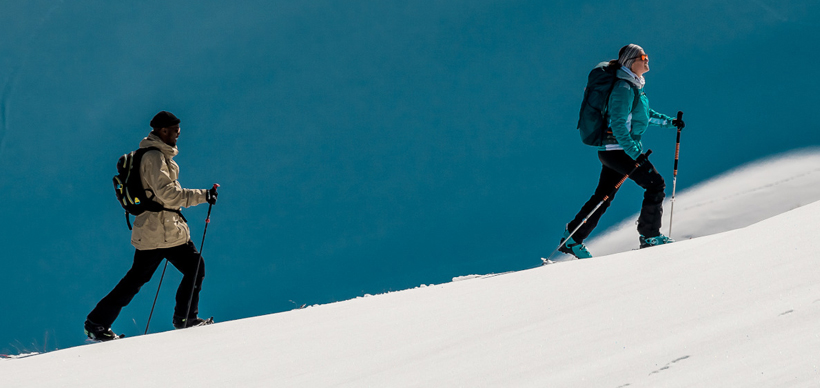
(626, 74)
(154, 141)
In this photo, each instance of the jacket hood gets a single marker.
(628, 75)
(154, 141)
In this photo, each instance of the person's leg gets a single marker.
(185, 258)
(648, 178)
(107, 310)
(606, 182)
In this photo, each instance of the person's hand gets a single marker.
(678, 123)
(211, 195)
(634, 150)
(643, 158)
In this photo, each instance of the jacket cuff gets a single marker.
(201, 196)
(634, 151)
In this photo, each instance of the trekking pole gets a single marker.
(638, 163)
(198, 262)
(155, 297)
(675, 176)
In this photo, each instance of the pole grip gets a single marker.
(680, 115)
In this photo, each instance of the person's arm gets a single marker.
(155, 173)
(660, 119)
(620, 107)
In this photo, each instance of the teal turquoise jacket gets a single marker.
(628, 125)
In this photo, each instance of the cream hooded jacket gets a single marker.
(164, 229)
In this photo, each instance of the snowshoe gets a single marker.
(180, 323)
(96, 332)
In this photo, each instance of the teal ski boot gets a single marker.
(572, 247)
(647, 242)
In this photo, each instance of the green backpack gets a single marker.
(593, 123)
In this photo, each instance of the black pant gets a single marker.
(183, 257)
(616, 164)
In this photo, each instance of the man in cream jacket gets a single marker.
(159, 235)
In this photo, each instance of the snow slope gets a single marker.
(735, 309)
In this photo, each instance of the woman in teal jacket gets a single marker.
(628, 120)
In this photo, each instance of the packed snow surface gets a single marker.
(734, 309)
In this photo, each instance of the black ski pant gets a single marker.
(616, 164)
(183, 257)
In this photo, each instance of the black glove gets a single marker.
(211, 195)
(678, 123)
(643, 158)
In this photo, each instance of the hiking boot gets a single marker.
(572, 247)
(98, 332)
(652, 241)
(180, 323)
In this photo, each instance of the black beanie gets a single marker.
(163, 120)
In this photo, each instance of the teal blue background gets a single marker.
(362, 146)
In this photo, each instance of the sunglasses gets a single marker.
(643, 57)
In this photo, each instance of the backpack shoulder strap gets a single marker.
(637, 97)
(154, 206)
(141, 151)
(151, 205)
(635, 90)
(138, 154)
(605, 111)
